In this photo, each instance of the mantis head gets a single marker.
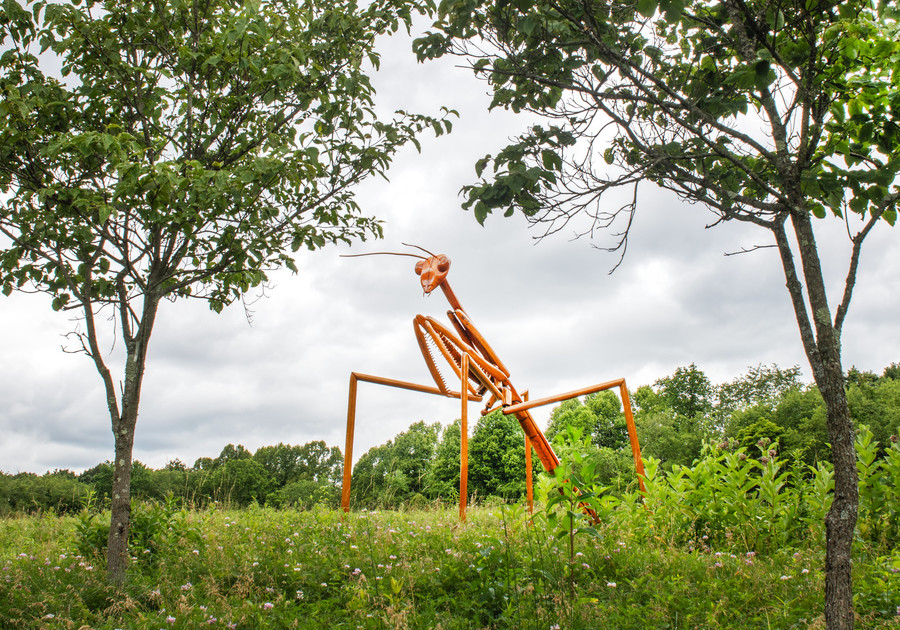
(432, 271)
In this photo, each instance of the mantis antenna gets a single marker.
(419, 256)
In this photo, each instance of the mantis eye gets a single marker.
(443, 264)
(419, 266)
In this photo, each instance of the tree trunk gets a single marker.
(840, 522)
(123, 426)
(824, 354)
(120, 520)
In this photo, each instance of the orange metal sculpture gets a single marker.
(480, 372)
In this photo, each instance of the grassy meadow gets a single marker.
(735, 541)
(262, 568)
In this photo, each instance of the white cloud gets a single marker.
(552, 312)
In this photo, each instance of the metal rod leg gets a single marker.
(529, 488)
(348, 447)
(464, 442)
(632, 435)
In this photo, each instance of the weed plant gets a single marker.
(733, 542)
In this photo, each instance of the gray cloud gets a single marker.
(550, 309)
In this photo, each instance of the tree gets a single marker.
(599, 417)
(497, 457)
(239, 481)
(231, 453)
(877, 406)
(761, 385)
(186, 150)
(443, 474)
(689, 394)
(770, 112)
(314, 461)
(397, 470)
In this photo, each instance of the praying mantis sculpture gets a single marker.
(480, 373)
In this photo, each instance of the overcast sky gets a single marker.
(552, 312)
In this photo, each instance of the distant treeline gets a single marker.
(767, 406)
(281, 475)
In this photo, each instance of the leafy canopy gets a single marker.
(752, 108)
(185, 148)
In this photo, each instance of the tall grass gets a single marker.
(732, 542)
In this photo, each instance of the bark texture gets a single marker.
(821, 341)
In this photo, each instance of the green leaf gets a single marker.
(647, 8)
(481, 164)
(481, 211)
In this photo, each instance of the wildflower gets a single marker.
(805, 571)
(299, 594)
(611, 584)
(797, 556)
(324, 584)
(554, 626)
(211, 620)
(268, 606)
(170, 619)
(718, 565)
(186, 587)
(786, 577)
(585, 565)
(49, 616)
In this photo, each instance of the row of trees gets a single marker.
(279, 475)
(674, 417)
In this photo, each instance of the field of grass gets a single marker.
(735, 541)
(262, 568)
